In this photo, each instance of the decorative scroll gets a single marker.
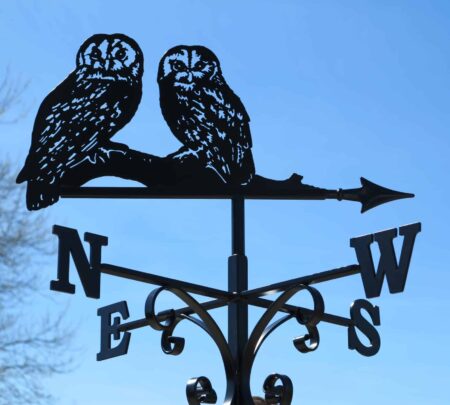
(278, 394)
(174, 345)
(263, 329)
(200, 391)
(310, 321)
(364, 316)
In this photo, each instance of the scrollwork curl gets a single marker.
(151, 315)
(264, 328)
(310, 320)
(278, 394)
(200, 391)
(170, 344)
(174, 345)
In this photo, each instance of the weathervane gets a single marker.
(71, 144)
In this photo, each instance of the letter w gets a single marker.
(395, 273)
(88, 271)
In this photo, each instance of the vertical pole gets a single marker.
(237, 282)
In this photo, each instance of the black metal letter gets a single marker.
(109, 330)
(365, 327)
(88, 271)
(395, 273)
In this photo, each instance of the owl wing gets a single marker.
(229, 115)
(231, 131)
(73, 119)
(47, 129)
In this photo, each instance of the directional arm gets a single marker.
(369, 194)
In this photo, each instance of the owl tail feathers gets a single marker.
(22, 176)
(246, 172)
(41, 195)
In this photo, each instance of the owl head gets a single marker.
(110, 57)
(187, 67)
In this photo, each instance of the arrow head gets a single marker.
(371, 195)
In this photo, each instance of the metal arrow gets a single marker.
(369, 195)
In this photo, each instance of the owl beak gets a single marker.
(190, 77)
(107, 64)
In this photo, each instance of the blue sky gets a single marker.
(335, 91)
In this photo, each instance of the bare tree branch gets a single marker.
(30, 349)
(11, 91)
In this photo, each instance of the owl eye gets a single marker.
(200, 65)
(121, 54)
(95, 53)
(178, 66)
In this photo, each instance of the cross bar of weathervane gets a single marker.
(294, 310)
(165, 281)
(305, 280)
(225, 295)
(164, 315)
(251, 296)
(214, 304)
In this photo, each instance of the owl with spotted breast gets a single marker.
(204, 114)
(76, 121)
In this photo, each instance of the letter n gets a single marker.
(396, 273)
(88, 270)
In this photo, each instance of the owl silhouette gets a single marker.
(204, 114)
(76, 121)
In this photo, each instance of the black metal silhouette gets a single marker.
(396, 272)
(278, 394)
(369, 195)
(199, 391)
(71, 136)
(204, 114)
(239, 350)
(71, 145)
(76, 121)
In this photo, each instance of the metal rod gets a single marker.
(219, 193)
(163, 315)
(369, 194)
(139, 323)
(237, 282)
(164, 281)
(238, 226)
(214, 304)
(307, 280)
(292, 309)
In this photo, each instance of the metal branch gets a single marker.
(120, 161)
